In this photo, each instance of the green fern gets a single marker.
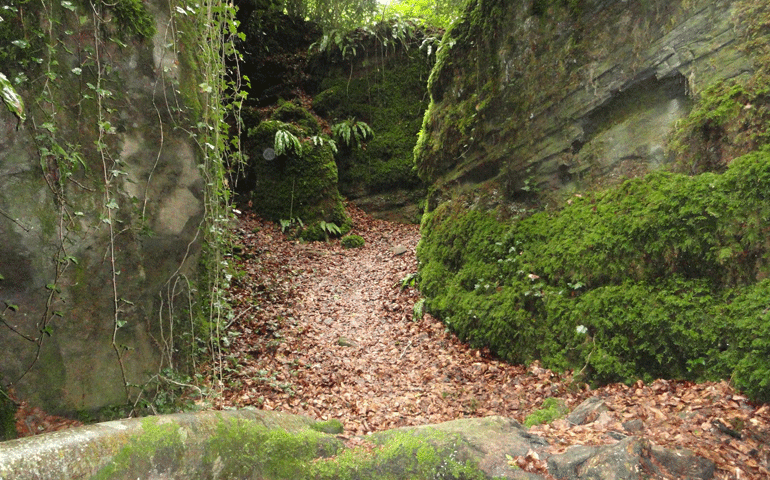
(330, 228)
(352, 132)
(285, 142)
(321, 140)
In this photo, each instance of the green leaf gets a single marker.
(11, 98)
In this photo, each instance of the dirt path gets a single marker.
(340, 341)
(329, 332)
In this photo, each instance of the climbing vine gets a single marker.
(75, 108)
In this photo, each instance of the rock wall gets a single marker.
(581, 157)
(384, 85)
(101, 200)
(540, 97)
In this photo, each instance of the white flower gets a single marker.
(581, 329)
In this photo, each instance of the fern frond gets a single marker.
(285, 142)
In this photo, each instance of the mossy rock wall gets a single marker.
(384, 85)
(545, 234)
(298, 185)
(96, 185)
(541, 100)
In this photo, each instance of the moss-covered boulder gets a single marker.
(292, 178)
(551, 232)
(254, 444)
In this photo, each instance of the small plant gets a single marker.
(291, 223)
(352, 241)
(352, 132)
(410, 280)
(321, 140)
(552, 409)
(329, 228)
(285, 142)
(418, 311)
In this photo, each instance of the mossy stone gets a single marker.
(352, 241)
(332, 426)
(291, 112)
(295, 184)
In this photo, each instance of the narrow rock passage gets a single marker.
(329, 332)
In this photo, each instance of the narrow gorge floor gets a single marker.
(330, 332)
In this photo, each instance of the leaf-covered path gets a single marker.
(329, 332)
(332, 335)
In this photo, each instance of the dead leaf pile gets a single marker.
(329, 332)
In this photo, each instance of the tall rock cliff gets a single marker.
(597, 175)
(102, 187)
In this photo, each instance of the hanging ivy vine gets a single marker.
(207, 99)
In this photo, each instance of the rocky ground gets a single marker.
(331, 332)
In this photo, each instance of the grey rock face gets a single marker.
(58, 199)
(571, 101)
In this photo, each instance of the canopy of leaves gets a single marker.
(351, 14)
(439, 13)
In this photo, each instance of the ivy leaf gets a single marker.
(11, 98)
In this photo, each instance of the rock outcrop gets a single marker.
(544, 101)
(101, 200)
(261, 444)
(581, 158)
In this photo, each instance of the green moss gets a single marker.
(7, 417)
(238, 449)
(246, 450)
(627, 283)
(291, 112)
(296, 185)
(133, 18)
(352, 241)
(552, 409)
(332, 426)
(251, 450)
(387, 92)
(426, 454)
(158, 448)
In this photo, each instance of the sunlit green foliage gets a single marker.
(330, 14)
(439, 13)
(349, 14)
